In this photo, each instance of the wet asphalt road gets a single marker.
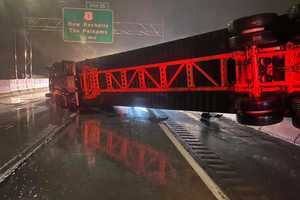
(268, 165)
(104, 155)
(22, 121)
(124, 154)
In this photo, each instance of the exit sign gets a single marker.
(87, 25)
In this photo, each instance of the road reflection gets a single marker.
(100, 156)
(142, 159)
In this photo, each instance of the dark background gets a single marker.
(180, 19)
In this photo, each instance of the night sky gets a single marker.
(180, 19)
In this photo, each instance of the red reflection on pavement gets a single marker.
(143, 159)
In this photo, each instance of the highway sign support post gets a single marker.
(88, 25)
(27, 55)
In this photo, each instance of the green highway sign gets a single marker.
(87, 25)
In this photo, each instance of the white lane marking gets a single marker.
(8, 126)
(48, 133)
(73, 115)
(212, 186)
(191, 115)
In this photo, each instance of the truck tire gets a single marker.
(260, 112)
(296, 111)
(260, 39)
(254, 23)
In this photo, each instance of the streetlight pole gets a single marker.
(15, 54)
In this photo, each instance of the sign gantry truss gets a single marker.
(56, 24)
(119, 28)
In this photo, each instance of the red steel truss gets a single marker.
(164, 77)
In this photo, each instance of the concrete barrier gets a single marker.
(15, 85)
(5, 86)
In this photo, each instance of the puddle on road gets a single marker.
(123, 156)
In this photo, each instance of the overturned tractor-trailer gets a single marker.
(252, 68)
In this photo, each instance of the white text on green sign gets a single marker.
(88, 25)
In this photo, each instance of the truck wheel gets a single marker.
(296, 111)
(261, 39)
(260, 112)
(253, 24)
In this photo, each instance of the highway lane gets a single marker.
(23, 120)
(15, 102)
(124, 153)
(266, 167)
(107, 155)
